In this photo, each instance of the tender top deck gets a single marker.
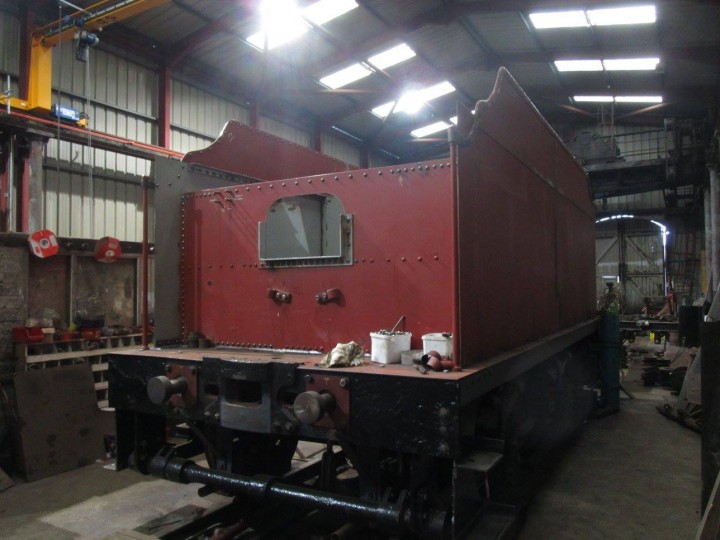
(303, 361)
(482, 376)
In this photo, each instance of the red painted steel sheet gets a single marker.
(243, 150)
(402, 263)
(525, 228)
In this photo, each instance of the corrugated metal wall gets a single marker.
(111, 207)
(10, 40)
(631, 143)
(640, 144)
(123, 103)
(337, 148)
(197, 117)
(289, 133)
(627, 203)
(640, 242)
(637, 245)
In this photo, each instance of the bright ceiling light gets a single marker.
(624, 15)
(453, 120)
(638, 99)
(383, 110)
(559, 19)
(578, 65)
(392, 56)
(326, 10)
(346, 76)
(283, 21)
(413, 101)
(618, 99)
(629, 64)
(430, 129)
(593, 99)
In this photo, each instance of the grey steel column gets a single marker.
(35, 162)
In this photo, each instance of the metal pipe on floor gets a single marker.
(398, 517)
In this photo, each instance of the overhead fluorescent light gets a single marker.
(618, 99)
(631, 64)
(622, 15)
(638, 99)
(283, 21)
(559, 19)
(453, 120)
(326, 10)
(429, 130)
(578, 65)
(413, 101)
(593, 99)
(346, 76)
(644, 14)
(392, 56)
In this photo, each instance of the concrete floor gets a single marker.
(633, 475)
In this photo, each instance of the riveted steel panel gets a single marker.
(525, 228)
(401, 265)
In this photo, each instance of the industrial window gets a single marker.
(306, 230)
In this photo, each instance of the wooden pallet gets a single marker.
(30, 356)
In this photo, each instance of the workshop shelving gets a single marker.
(93, 352)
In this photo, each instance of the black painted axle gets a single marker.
(398, 517)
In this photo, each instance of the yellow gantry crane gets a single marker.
(80, 25)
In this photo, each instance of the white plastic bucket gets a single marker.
(386, 348)
(437, 342)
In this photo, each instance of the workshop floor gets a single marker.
(632, 475)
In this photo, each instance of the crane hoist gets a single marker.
(81, 26)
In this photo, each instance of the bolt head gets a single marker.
(344, 382)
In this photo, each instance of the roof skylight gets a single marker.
(615, 64)
(578, 65)
(346, 76)
(429, 129)
(638, 99)
(283, 21)
(326, 10)
(392, 56)
(630, 64)
(644, 14)
(593, 99)
(413, 101)
(622, 15)
(559, 19)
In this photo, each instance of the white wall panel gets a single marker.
(201, 112)
(9, 44)
(285, 131)
(340, 149)
(375, 160)
(184, 142)
(68, 208)
(625, 203)
(128, 86)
